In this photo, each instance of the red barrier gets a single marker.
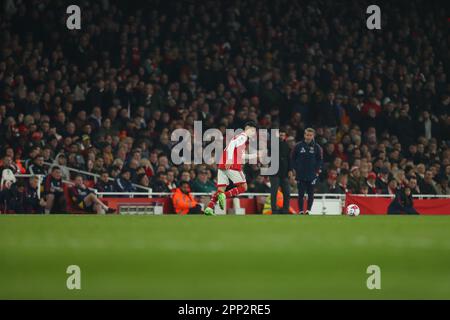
(379, 206)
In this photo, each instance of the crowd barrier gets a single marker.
(369, 205)
(252, 203)
(324, 204)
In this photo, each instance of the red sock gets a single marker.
(235, 191)
(213, 201)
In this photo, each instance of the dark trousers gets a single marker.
(275, 183)
(195, 210)
(305, 187)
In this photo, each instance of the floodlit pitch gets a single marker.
(224, 257)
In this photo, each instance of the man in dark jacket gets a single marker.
(280, 179)
(402, 203)
(123, 183)
(37, 168)
(307, 159)
(103, 184)
(32, 203)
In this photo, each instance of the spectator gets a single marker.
(443, 187)
(343, 181)
(37, 168)
(123, 182)
(368, 105)
(183, 201)
(85, 199)
(415, 190)
(32, 203)
(104, 184)
(159, 183)
(402, 203)
(391, 187)
(383, 180)
(61, 162)
(202, 184)
(331, 185)
(355, 181)
(428, 184)
(55, 201)
(370, 181)
(171, 180)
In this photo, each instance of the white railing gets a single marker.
(416, 196)
(251, 195)
(151, 194)
(93, 175)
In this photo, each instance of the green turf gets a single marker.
(224, 257)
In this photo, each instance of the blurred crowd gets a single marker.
(105, 99)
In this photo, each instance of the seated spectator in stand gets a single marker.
(185, 176)
(293, 183)
(443, 187)
(413, 185)
(15, 203)
(55, 202)
(159, 183)
(402, 203)
(364, 190)
(355, 181)
(32, 203)
(330, 185)
(371, 183)
(123, 182)
(343, 181)
(143, 180)
(391, 187)
(8, 164)
(171, 180)
(202, 184)
(8, 180)
(37, 167)
(383, 180)
(104, 184)
(428, 184)
(184, 202)
(85, 199)
(61, 161)
(260, 185)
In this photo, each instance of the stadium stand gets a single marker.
(107, 97)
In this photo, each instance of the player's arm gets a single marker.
(73, 192)
(239, 141)
(319, 159)
(294, 157)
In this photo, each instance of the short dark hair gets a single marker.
(251, 124)
(184, 182)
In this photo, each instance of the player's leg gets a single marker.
(286, 190)
(60, 201)
(310, 190)
(93, 199)
(239, 181)
(212, 203)
(88, 200)
(98, 208)
(301, 195)
(49, 200)
(274, 184)
(222, 183)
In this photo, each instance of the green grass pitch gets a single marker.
(224, 257)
